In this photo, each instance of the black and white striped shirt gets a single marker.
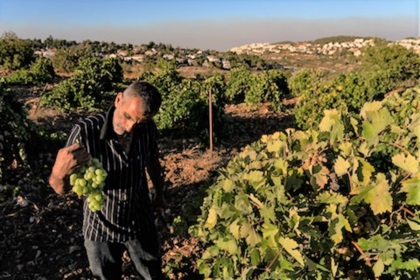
(127, 208)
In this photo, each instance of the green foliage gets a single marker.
(185, 101)
(338, 39)
(15, 53)
(400, 64)
(253, 88)
(90, 88)
(239, 80)
(268, 86)
(385, 68)
(40, 72)
(317, 204)
(305, 80)
(66, 59)
(15, 132)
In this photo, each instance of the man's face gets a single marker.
(128, 112)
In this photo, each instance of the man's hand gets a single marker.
(68, 161)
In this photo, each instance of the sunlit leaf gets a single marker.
(376, 120)
(412, 188)
(369, 107)
(254, 177)
(253, 238)
(380, 198)
(275, 146)
(232, 247)
(228, 185)
(331, 198)
(234, 229)
(341, 166)
(212, 218)
(291, 246)
(257, 202)
(269, 230)
(378, 268)
(346, 148)
(376, 194)
(414, 225)
(370, 132)
(407, 163)
(320, 173)
(336, 228)
(332, 123)
(245, 230)
(334, 267)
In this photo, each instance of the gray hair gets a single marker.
(148, 93)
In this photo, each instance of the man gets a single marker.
(124, 140)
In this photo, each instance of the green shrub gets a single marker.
(318, 204)
(15, 132)
(40, 72)
(90, 88)
(185, 104)
(15, 53)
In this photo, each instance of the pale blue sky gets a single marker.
(209, 24)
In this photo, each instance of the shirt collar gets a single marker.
(107, 130)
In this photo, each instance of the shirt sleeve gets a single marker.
(153, 146)
(74, 136)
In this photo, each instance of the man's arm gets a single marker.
(68, 160)
(154, 170)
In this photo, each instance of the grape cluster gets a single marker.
(89, 181)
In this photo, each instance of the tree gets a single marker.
(66, 59)
(15, 53)
(402, 64)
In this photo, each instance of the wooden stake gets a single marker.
(210, 122)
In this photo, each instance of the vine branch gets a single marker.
(367, 260)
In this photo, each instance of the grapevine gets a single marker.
(89, 181)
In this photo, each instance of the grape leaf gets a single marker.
(369, 107)
(245, 229)
(232, 247)
(413, 225)
(257, 202)
(331, 198)
(212, 218)
(320, 173)
(380, 198)
(407, 163)
(412, 188)
(376, 195)
(291, 246)
(228, 185)
(253, 238)
(234, 229)
(375, 122)
(336, 228)
(275, 146)
(378, 268)
(341, 166)
(332, 123)
(255, 177)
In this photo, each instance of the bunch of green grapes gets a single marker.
(89, 181)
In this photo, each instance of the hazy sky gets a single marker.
(208, 24)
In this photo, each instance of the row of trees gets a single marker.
(16, 53)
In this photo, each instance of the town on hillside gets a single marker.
(226, 60)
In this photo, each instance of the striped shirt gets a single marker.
(126, 210)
